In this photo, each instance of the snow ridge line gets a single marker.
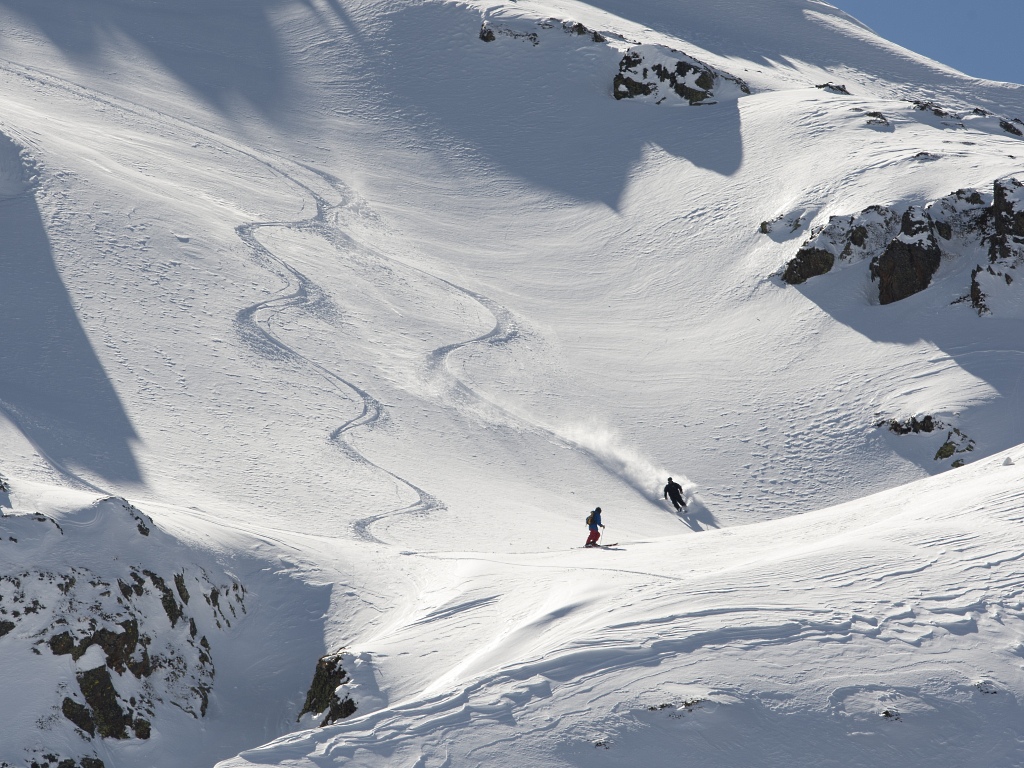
(495, 696)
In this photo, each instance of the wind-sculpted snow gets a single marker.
(663, 648)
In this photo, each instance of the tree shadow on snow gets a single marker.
(544, 112)
(53, 387)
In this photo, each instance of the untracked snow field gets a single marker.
(358, 308)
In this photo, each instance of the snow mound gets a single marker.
(871, 626)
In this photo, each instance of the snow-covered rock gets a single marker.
(658, 74)
(905, 246)
(104, 627)
(910, 259)
(844, 238)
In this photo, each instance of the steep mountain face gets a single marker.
(125, 644)
(364, 306)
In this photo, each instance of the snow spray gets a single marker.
(606, 447)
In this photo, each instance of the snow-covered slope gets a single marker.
(336, 281)
(118, 638)
(884, 630)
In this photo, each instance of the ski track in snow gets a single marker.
(738, 612)
(254, 323)
(538, 654)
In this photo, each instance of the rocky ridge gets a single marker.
(113, 647)
(657, 73)
(954, 444)
(905, 245)
(654, 73)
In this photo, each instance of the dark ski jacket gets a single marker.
(595, 520)
(675, 490)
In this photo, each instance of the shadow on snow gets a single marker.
(53, 387)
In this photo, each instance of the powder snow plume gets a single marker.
(623, 461)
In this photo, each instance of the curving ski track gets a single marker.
(254, 327)
(254, 323)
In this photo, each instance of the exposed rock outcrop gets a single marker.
(935, 109)
(808, 262)
(1010, 127)
(575, 28)
(646, 71)
(1006, 243)
(322, 699)
(844, 238)
(135, 643)
(909, 261)
(785, 226)
(906, 246)
(490, 31)
(836, 88)
(911, 425)
(956, 442)
(658, 74)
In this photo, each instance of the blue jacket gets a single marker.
(595, 520)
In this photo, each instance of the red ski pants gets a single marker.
(593, 537)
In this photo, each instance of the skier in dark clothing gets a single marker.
(674, 491)
(594, 522)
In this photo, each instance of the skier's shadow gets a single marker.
(697, 516)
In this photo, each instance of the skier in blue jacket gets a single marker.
(594, 522)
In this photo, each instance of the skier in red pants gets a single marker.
(594, 522)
